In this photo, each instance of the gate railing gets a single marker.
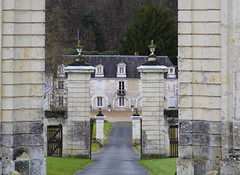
(173, 134)
(54, 140)
(91, 132)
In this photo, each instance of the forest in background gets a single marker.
(101, 24)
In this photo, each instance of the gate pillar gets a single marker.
(78, 132)
(153, 124)
(209, 87)
(22, 50)
(100, 127)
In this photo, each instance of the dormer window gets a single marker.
(121, 70)
(60, 71)
(99, 71)
(171, 72)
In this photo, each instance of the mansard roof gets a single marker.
(110, 63)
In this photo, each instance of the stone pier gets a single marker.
(100, 129)
(22, 50)
(209, 86)
(136, 130)
(153, 124)
(78, 132)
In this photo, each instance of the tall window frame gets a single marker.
(99, 101)
(121, 102)
(60, 84)
(60, 101)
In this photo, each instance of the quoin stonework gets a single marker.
(209, 84)
(22, 50)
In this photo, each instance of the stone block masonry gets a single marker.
(153, 122)
(209, 87)
(22, 46)
(78, 127)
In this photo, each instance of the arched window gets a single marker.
(121, 69)
(99, 71)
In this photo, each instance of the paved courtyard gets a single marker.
(114, 116)
(118, 157)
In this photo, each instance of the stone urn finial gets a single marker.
(100, 112)
(79, 59)
(152, 47)
(79, 48)
(152, 58)
(135, 112)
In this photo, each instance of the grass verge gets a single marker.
(138, 148)
(65, 165)
(160, 166)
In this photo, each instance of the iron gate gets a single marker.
(173, 134)
(91, 132)
(54, 140)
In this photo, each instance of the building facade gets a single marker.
(116, 84)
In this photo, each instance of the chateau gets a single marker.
(116, 84)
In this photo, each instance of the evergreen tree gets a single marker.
(151, 23)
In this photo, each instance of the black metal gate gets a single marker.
(54, 140)
(91, 132)
(141, 138)
(173, 134)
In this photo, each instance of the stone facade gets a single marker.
(107, 85)
(22, 49)
(208, 87)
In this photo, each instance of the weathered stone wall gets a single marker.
(230, 56)
(22, 52)
(208, 86)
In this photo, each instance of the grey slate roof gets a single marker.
(110, 63)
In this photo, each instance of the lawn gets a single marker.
(65, 165)
(138, 148)
(160, 166)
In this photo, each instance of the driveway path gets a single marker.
(118, 157)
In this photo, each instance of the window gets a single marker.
(121, 70)
(121, 88)
(121, 85)
(60, 84)
(99, 71)
(121, 102)
(60, 101)
(171, 72)
(99, 101)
